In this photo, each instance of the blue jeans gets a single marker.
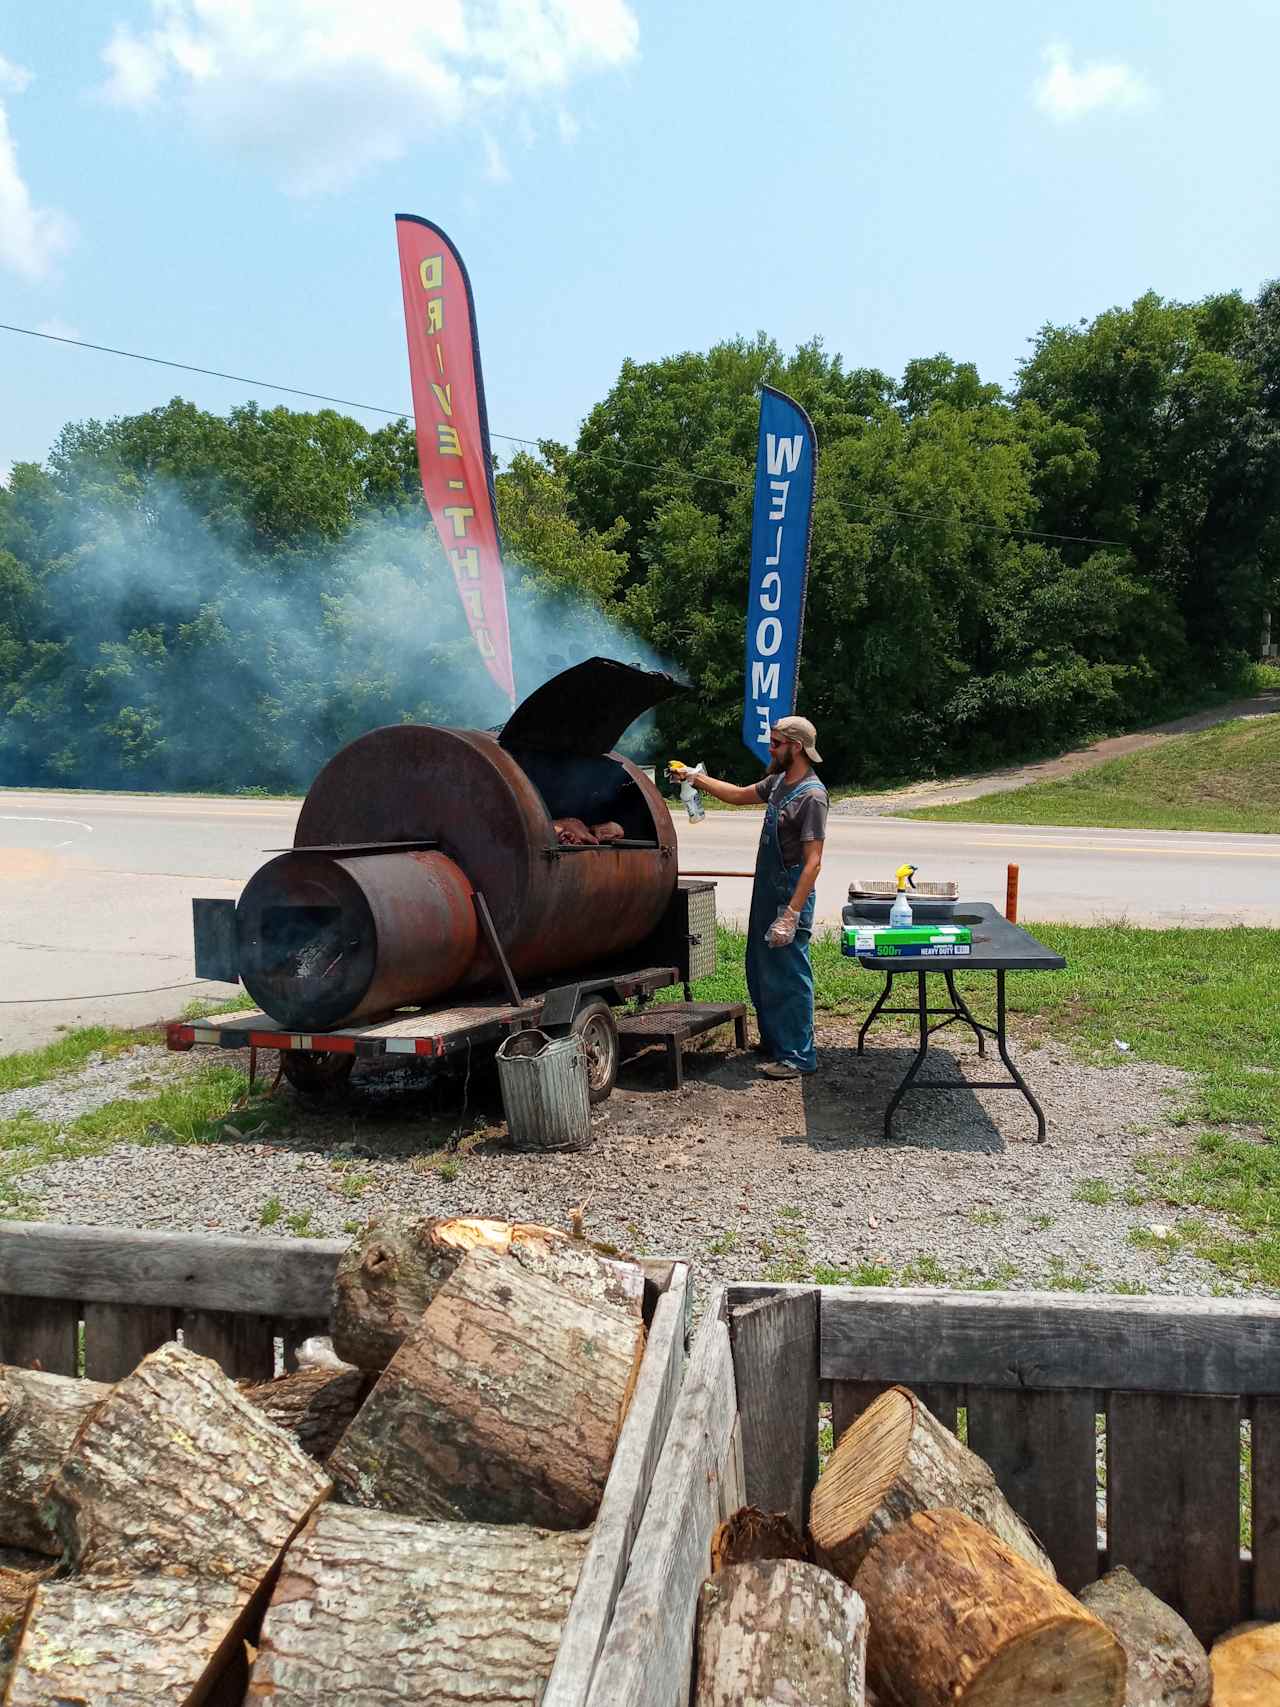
(780, 980)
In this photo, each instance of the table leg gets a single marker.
(881, 999)
(1004, 1056)
(740, 1031)
(959, 1004)
(916, 1065)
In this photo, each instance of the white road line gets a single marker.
(25, 818)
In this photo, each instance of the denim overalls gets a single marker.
(780, 980)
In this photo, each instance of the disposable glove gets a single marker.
(783, 929)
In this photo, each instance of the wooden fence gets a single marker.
(1057, 1392)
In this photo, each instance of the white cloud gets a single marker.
(56, 328)
(31, 238)
(1066, 93)
(568, 126)
(319, 91)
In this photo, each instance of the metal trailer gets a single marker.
(467, 1031)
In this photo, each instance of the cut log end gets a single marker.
(897, 1459)
(752, 1534)
(1246, 1666)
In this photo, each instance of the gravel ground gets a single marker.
(744, 1176)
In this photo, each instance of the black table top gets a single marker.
(997, 945)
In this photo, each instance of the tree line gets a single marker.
(197, 601)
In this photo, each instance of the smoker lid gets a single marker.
(587, 708)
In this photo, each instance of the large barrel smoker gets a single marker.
(427, 864)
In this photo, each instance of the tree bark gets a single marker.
(957, 1619)
(896, 1459)
(1246, 1666)
(371, 1608)
(752, 1534)
(1167, 1666)
(776, 1631)
(314, 1405)
(39, 1418)
(176, 1471)
(133, 1643)
(504, 1406)
(389, 1277)
(17, 1590)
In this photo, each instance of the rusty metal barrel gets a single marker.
(375, 909)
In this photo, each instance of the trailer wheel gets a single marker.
(594, 1024)
(316, 1072)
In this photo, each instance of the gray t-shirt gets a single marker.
(802, 819)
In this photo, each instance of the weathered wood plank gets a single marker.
(1041, 1447)
(118, 1336)
(1051, 1340)
(1173, 1513)
(733, 1477)
(1266, 1509)
(635, 1463)
(243, 1346)
(648, 1653)
(196, 1271)
(113, 1265)
(40, 1333)
(775, 1361)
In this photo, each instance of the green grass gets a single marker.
(1224, 778)
(1095, 1191)
(196, 1109)
(70, 1054)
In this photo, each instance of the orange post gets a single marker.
(1011, 895)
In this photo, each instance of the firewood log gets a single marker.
(896, 1459)
(130, 1642)
(957, 1618)
(503, 1407)
(1167, 1666)
(313, 1405)
(174, 1506)
(779, 1630)
(39, 1417)
(371, 1607)
(175, 1470)
(389, 1276)
(753, 1534)
(1246, 1666)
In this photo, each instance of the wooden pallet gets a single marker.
(672, 1024)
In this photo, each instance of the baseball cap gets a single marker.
(800, 729)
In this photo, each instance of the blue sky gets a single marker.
(214, 181)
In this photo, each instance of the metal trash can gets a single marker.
(545, 1093)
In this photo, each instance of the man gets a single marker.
(779, 976)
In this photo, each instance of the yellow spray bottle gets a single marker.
(900, 912)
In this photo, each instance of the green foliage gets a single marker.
(219, 602)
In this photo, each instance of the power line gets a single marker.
(516, 439)
(102, 995)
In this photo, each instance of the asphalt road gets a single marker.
(95, 889)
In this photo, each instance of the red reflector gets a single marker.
(179, 1037)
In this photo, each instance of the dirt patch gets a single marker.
(743, 1175)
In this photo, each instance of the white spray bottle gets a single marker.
(690, 798)
(900, 912)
